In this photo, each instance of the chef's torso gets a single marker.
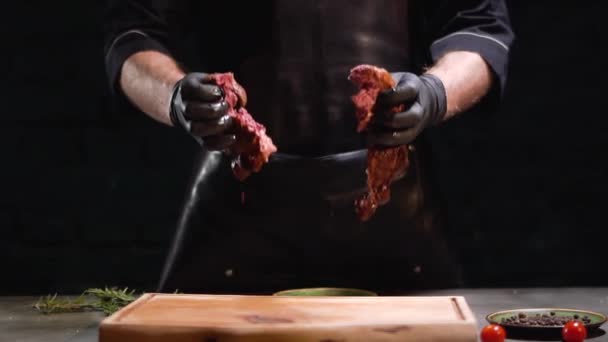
(294, 63)
(294, 223)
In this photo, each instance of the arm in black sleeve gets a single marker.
(132, 26)
(481, 26)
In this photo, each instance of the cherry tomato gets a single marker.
(493, 333)
(574, 331)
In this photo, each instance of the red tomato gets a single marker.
(493, 333)
(574, 331)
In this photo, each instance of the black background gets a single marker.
(89, 197)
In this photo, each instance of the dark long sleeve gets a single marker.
(132, 26)
(481, 26)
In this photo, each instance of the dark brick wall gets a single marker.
(88, 197)
(529, 186)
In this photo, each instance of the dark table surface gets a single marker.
(19, 322)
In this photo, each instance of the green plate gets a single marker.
(325, 291)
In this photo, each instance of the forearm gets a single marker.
(466, 78)
(147, 78)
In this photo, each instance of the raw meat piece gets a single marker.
(252, 147)
(370, 80)
(384, 164)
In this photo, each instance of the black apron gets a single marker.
(294, 223)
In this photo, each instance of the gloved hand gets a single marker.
(425, 103)
(198, 106)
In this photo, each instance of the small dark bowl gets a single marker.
(541, 332)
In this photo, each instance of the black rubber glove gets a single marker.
(198, 106)
(425, 103)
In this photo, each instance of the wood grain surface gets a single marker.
(213, 318)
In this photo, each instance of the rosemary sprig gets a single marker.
(110, 300)
(52, 304)
(106, 300)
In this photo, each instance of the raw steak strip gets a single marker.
(252, 147)
(384, 164)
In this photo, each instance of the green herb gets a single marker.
(106, 300)
(52, 304)
(110, 300)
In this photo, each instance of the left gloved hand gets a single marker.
(425, 104)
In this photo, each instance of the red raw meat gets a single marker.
(252, 147)
(384, 164)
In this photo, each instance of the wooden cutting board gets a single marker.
(227, 318)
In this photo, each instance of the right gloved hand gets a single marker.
(198, 106)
